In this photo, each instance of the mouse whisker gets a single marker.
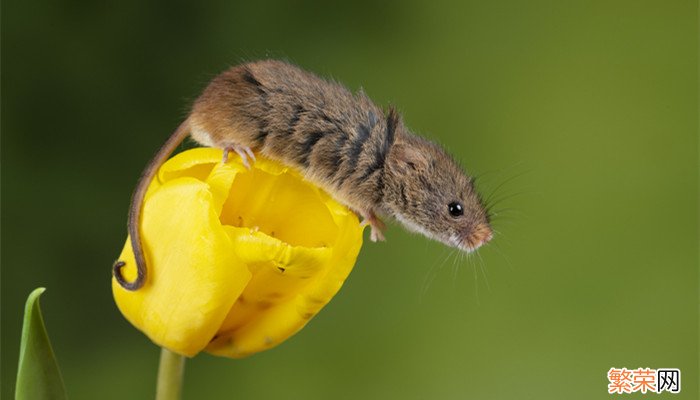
(506, 212)
(482, 265)
(505, 257)
(478, 177)
(490, 205)
(470, 260)
(501, 219)
(461, 258)
(432, 273)
(494, 192)
(455, 270)
(503, 237)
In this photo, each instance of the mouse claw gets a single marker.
(244, 152)
(376, 235)
(376, 224)
(250, 153)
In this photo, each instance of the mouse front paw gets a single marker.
(377, 235)
(376, 225)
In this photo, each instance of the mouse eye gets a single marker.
(455, 209)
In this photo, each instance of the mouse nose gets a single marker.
(479, 236)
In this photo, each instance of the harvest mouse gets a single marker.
(365, 158)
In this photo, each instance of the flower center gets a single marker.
(281, 206)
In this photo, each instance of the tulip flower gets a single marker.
(238, 259)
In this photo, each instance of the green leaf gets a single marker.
(38, 376)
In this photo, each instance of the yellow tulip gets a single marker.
(238, 260)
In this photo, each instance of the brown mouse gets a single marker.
(365, 158)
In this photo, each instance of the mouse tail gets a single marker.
(136, 208)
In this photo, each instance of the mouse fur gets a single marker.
(341, 141)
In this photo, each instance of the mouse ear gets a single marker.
(408, 157)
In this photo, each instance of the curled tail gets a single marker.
(134, 222)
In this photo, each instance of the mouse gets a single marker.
(363, 156)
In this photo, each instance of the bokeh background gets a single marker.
(585, 113)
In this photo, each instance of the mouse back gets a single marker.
(337, 139)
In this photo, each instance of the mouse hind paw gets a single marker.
(244, 152)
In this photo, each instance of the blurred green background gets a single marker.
(587, 110)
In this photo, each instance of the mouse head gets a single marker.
(428, 192)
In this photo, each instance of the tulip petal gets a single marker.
(239, 259)
(281, 205)
(271, 310)
(299, 249)
(220, 180)
(198, 276)
(196, 163)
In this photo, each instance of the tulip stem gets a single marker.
(170, 372)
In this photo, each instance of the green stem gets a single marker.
(170, 371)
